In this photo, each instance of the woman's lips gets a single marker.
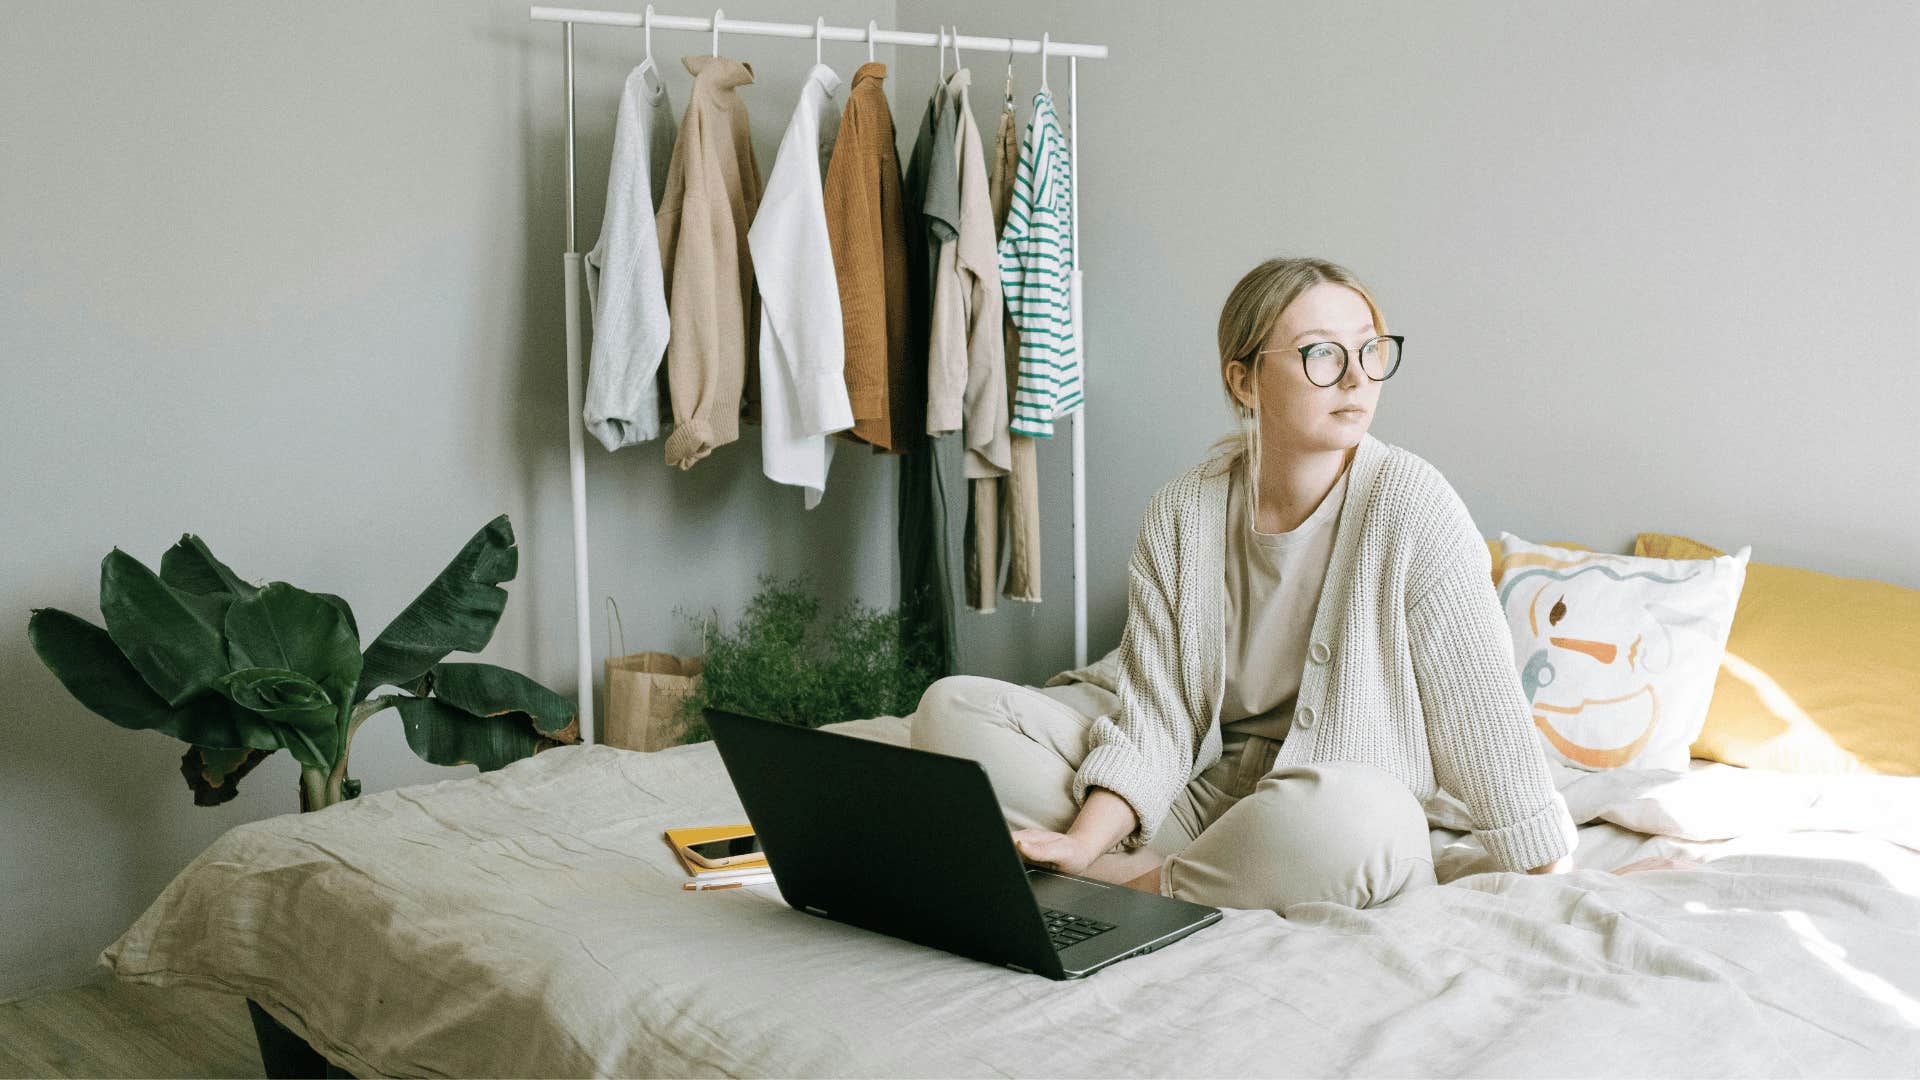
(1350, 412)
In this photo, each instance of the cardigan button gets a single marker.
(1319, 652)
(1306, 716)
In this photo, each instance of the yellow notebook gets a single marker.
(677, 839)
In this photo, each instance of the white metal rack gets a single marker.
(718, 24)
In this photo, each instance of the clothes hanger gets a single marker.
(1044, 42)
(819, 28)
(652, 68)
(716, 35)
(1009, 91)
(870, 41)
(957, 65)
(942, 77)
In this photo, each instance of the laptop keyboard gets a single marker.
(1067, 929)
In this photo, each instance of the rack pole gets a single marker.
(704, 24)
(1080, 345)
(576, 441)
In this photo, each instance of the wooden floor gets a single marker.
(119, 1029)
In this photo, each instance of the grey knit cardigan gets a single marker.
(1410, 664)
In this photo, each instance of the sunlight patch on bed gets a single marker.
(1866, 982)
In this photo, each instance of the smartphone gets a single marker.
(725, 851)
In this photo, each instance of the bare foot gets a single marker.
(1660, 862)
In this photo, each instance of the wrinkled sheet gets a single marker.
(530, 922)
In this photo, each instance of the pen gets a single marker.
(697, 886)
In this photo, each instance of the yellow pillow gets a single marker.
(1821, 673)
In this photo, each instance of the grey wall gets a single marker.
(1655, 262)
(287, 276)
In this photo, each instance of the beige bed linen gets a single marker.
(531, 922)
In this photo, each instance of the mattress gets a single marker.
(530, 922)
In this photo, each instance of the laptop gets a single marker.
(913, 844)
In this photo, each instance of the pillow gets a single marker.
(1494, 553)
(1617, 653)
(1821, 672)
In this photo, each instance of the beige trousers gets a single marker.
(1242, 834)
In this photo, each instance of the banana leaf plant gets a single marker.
(237, 670)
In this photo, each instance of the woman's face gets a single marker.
(1296, 414)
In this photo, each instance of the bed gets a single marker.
(530, 922)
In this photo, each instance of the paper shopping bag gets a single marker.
(645, 691)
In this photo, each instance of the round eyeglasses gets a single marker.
(1325, 362)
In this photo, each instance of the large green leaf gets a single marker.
(352, 626)
(444, 735)
(283, 626)
(190, 567)
(172, 638)
(487, 690)
(288, 628)
(458, 611)
(214, 775)
(88, 663)
(302, 712)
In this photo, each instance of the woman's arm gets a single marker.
(1479, 723)
(1103, 819)
(1143, 754)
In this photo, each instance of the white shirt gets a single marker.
(1273, 585)
(625, 287)
(803, 382)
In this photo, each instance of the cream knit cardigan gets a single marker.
(1410, 664)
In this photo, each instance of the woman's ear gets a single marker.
(1237, 372)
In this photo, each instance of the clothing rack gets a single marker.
(718, 24)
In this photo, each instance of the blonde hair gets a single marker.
(1246, 319)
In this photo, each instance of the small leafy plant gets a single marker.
(238, 670)
(781, 663)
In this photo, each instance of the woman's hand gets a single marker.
(1558, 866)
(1055, 851)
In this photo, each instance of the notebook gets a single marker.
(753, 871)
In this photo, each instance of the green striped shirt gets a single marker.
(1036, 261)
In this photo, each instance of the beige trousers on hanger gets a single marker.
(1242, 834)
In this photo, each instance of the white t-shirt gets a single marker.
(1273, 591)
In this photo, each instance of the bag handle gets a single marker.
(613, 613)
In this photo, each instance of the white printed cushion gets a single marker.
(1618, 654)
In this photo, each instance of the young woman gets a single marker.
(1312, 645)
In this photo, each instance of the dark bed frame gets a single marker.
(288, 1056)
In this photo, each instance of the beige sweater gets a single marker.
(967, 361)
(1410, 665)
(713, 191)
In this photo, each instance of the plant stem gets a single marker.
(313, 789)
(321, 788)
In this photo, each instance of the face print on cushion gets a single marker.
(1603, 646)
